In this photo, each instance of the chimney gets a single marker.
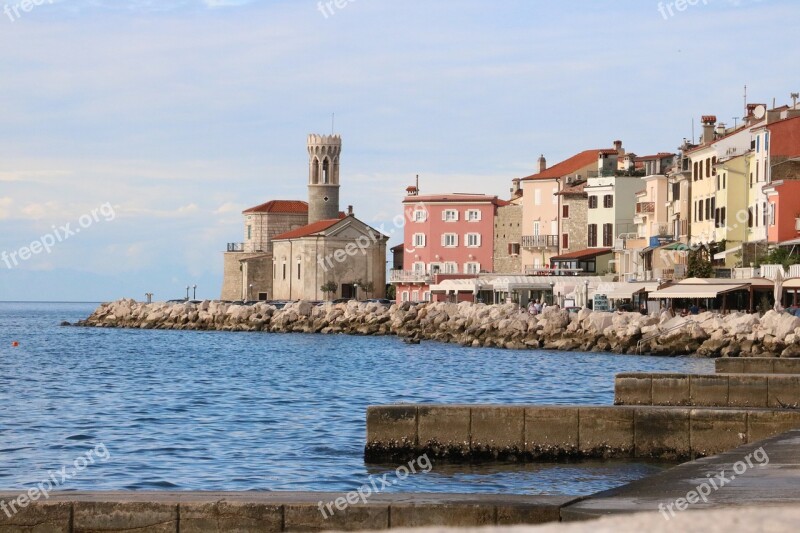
(618, 147)
(542, 164)
(514, 186)
(349, 210)
(709, 121)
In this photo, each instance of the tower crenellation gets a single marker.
(323, 177)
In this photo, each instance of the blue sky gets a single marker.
(181, 113)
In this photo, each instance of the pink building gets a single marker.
(447, 236)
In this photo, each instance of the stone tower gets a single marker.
(323, 177)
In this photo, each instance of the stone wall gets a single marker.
(468, 324)
(576, 225)
(259, 270)
(508, 230)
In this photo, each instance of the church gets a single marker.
(292, 248)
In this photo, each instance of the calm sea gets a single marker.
(256, 411)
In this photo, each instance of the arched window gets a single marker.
(315, 171)
(326, 171)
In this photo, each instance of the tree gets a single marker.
(369, 288)
(329, 287)
(699, 264)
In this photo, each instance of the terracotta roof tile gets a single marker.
(310, 229)
(280, 206)
(568, 166)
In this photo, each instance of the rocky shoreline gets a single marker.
(478, 325)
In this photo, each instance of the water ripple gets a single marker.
(225, 411)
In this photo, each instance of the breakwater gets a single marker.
(478, 325)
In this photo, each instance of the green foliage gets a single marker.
(329, 287)
(391, 292)
(779, 256)
(699, 264)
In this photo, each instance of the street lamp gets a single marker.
(187, 293)
(250, 293)
(586, 293)
(552, 292)
(194, 292)
(355, 286)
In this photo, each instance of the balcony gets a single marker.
(540, 241)
(643, 208)
(236, 247)
(409, 276)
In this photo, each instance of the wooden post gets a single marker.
(751, 298)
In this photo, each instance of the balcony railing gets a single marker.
(409, 276)
(236, 247)
(540, 241)
(645, 207)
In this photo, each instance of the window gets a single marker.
(749, 217)
(513, 248)
(708, 167)
(700, 210)
(404, 296)
(714, 166)
(564, 211)
(694, 172)
(426, 296)
(420, 215)
(449, 240)
(725, 180)
(723, 217)
(450, 215)
(755, 217)
(608, 200)
(472, 268)
(436, 268)
(284, 270)
(700, 173)
(708, 209)
(758, 144)
(298, 270)
(608, 235)
(565, 241)
(536, 227)
(415, 296)
(764, 213)
(249, 232)
(592, 235)
(757, 167)
(537, 197)
(419, 268)
(676, 191)
(419, 240)
(766, 142)
(473, 240)
(771, 214)
(473, 215)
(450, 268)
(593, 202)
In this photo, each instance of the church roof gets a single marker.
(280, 206)
(310, 229)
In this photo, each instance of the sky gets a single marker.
(134, 132)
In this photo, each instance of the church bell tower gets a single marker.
(323, 177)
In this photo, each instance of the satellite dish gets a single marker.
(759, 112)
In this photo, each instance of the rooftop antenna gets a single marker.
(692, 130)
(735, 121)
(333, 123)
(745, 100)
(417, 183)
(794, 97)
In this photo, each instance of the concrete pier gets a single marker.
(530, 432)
(757, 365)
(774, 391)
(218, 512)
(775, 483)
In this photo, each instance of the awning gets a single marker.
(624, 291)
(695, 291)
(583, 255)
(724, 254)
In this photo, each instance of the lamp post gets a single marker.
(187, 293)
(552, 292)
(194, 292)
(149, 296)
(250, 293)
(355, 286)
(586, 293)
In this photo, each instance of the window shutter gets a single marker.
(479, 239)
